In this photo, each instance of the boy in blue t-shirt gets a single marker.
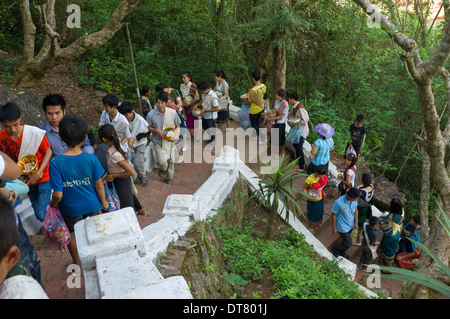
(76, 179)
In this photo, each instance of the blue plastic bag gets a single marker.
(244, 116)
(111, 197)
(294, 135)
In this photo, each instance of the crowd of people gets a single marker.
(76, 168)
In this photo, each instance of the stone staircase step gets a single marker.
(120, 274)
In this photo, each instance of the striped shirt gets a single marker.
(323, 153)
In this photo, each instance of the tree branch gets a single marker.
(29, 31)
(438, 59)
(408, 45)
(48, 22)
(99, 38)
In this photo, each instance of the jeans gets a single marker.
(39, 196)
(346, 243)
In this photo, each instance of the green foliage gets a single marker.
(10, 26)
(7, 68)
(297, 271)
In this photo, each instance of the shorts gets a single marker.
(223, 116)
(71, 221)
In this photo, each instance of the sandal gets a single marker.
(142, 212)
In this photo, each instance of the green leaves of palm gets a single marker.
(278, 187)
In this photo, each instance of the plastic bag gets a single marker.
(373, 249)
(354, 235)
(111, 197)
(294, 135)
(55, 228)
(350, 150)
(244, 116)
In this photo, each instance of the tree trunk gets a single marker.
(272, 215)
(278, 69)
(279, 65)
(30, 74)
(434, 142)
(425, 193)
(35, 67)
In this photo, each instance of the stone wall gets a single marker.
(29, 102)
(195, 255)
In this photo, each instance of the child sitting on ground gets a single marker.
(411, 231)
(76, 179)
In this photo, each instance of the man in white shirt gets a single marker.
(210, 107)
(138, 140)
(111, 115)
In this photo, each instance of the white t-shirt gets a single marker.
(120, 124)
(352, 176)
(223, 102)
(21, 287)
(285, 111)
(214, 103)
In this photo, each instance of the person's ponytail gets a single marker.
(108, 132)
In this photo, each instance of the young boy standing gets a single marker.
(138, 140)
(370, 238)
(111, 115)
(357, 135)
(76, 179)
(18, 140)
(210, 108)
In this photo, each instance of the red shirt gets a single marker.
(12, 149)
